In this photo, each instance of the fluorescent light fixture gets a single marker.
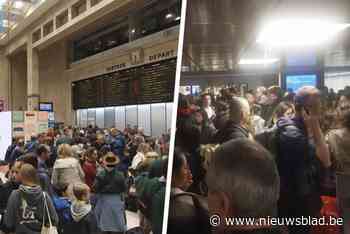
(299, 32)
(169, 16)
(258, 61)
(18, 4)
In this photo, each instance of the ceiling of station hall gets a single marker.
(218, 33)
(13, 12)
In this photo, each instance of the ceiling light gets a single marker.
(299, 33)
(169, 16)
(177, 18)
(18, 4)
(258, 61)
(133, 30)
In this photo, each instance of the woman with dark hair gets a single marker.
(181, 176)
(283, 109)
(339, 143)
(339, 147)
(188, 212)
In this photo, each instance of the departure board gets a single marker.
(150, 83)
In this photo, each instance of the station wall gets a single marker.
(54, 83)
(57, 75)
(19, 81)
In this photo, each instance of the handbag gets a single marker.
(51, 229)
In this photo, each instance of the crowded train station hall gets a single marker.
(86, 93)
(263, 119)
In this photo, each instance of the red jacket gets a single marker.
(90, 169)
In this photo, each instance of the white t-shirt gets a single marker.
(139, 157)
(210, 112)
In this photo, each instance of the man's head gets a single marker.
(114, 132)
(250, 98)
(239, 111)
(28, 175)
(81, 192)
(206, 99)
(43, 152)
(15, 176)
(20, 143)
(66, 132)
(243, 181)
(308, 98)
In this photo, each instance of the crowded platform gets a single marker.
(91, 180)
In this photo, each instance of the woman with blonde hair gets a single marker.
(66, 170)
(140, 156)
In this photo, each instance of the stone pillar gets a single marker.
(33, 77)
(5, 79)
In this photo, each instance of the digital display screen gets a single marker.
(294, 82)
(196, 89)
(46, 107)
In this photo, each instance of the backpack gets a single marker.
(188, 218)
(62, 207)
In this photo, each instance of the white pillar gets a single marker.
(33, 77)
(5, 76)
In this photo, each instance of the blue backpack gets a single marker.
(62, 206)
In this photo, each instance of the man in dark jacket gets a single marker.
(17, 152)
(10, 149)
(301, 154)
(118, 146)
(243, 182)
(11, 185)
(239, 121)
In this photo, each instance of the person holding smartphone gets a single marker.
(302, 153)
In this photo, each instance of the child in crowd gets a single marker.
(84, 220)
(109, 186)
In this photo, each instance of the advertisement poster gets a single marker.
(51, 119)
(5, 132)
(30, 124)
(43, 127)
(18, 117)
(43, 116)
(18, 129)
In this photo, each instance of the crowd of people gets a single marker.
(265, 153)
(82, 180)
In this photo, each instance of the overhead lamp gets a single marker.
(133, 30)
(177, 18)
(258, 61)
(169, 16)
(289, 33)
(18, 4)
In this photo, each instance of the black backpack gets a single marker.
(187, 218)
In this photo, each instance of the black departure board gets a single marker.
(150, 83)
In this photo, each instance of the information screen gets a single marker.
(294, 82)
(46, 107)
(150, 83)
